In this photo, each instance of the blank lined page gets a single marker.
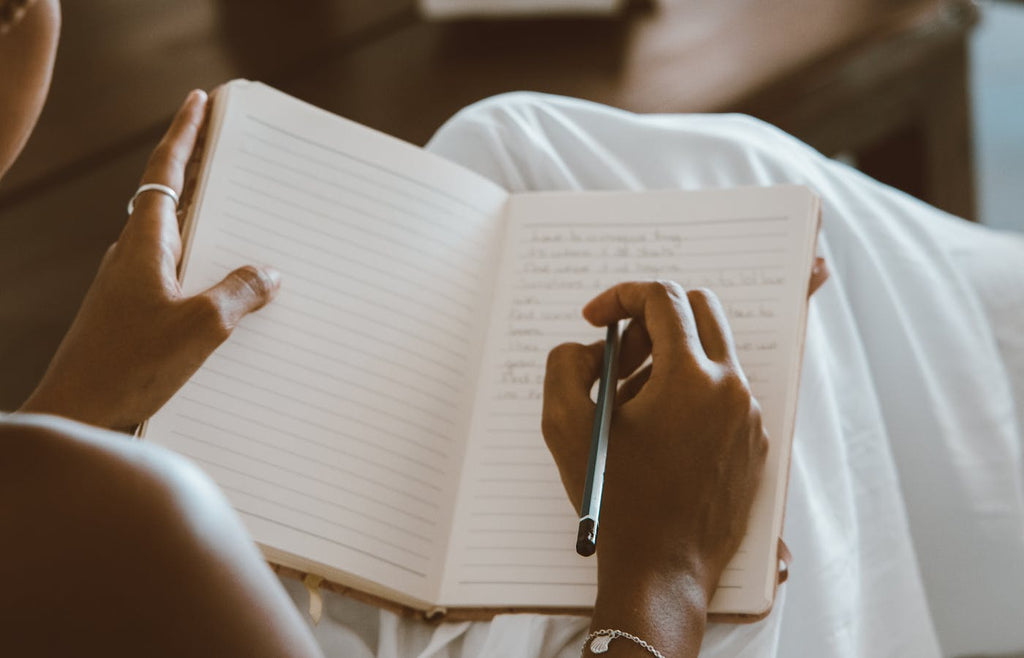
(334, 418)
(515, 532)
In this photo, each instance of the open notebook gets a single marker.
(378, 423)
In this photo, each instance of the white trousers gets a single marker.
(906, 502)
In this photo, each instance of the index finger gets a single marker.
(166, 165)
(664, 309)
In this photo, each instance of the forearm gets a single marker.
(668, 611)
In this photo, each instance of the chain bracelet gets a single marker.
(598, 641)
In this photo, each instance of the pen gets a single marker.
(586, 538)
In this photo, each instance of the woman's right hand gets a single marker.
(685, 456)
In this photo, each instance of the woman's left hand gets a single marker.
(137, 339)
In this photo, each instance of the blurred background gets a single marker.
(997, 89)
(926, 95)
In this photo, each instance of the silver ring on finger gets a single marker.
(152, 187)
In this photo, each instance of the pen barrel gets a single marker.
(586, 539)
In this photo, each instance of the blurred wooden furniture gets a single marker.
(881, 80)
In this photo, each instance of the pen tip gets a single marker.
(586, 538)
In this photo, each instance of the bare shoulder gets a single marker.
(126, 546)
(53, 465)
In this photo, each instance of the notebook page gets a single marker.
(514, 534)
(334, 419)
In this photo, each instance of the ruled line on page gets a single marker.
(528, 583)
(296, 205)
(527, 565)
(523, 544)
(390, 189)
(331, 357)
(306, 477)
(522, 531)
(307, 192)
(344, 416)
(460, 338)
(725, 237)
(513, 479)
(334, 255)
(675, 270)
(416, 336)
(345, 292)
(375, 556)
(350, 156)
(516, 430)
(508, 496)
(534, 444)
(391, 451)
(362, 334)
(348, 530)
(682, 222)
(504, 463)
(402, 476)
(354, 191)
(539, 549)
(527, 514)
(416, 498)
(319, 517)
(411, 250)
(628, 256)
(387, 343)
(330, 252)
(447, 420)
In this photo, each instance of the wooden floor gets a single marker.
(125, 65)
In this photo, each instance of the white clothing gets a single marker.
(906, 502)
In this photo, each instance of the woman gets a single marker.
(905, 511)
(116, 547)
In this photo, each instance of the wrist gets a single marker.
(52, 401)
(667, 609)
(657, 564)
(41, 402)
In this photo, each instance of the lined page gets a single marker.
(514, 541)
(335, 418)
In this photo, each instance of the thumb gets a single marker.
(243, 291)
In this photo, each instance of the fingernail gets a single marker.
(195, 96)
(273, 275)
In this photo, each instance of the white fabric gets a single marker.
(906, 512)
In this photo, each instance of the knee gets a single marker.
(528, 140)
(512, 138)
(521, 113)
(501, 110)
(488, 125)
